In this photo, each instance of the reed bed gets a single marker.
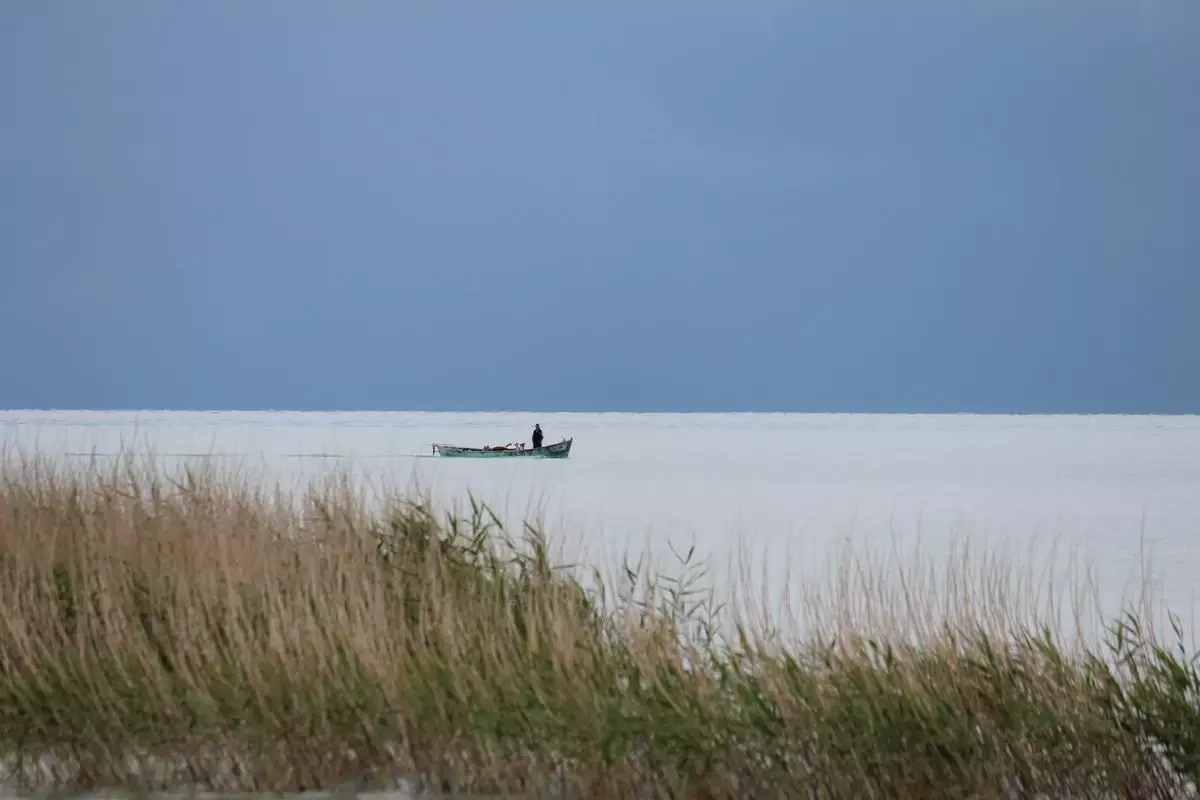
(166, 629)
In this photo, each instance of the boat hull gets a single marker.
(557, 450)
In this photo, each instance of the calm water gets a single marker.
(785, 487)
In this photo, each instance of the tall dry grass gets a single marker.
(176, 628)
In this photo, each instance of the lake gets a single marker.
(782, 488)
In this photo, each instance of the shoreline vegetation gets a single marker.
(174, 629)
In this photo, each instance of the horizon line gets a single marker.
(560, 412)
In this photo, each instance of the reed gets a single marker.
(178, 628)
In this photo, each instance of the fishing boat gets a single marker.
(557, 450)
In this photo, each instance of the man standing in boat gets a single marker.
(537, 436)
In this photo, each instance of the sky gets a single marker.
(773, 205)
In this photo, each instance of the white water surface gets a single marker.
(782, 488)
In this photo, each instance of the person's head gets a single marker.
(537, 427)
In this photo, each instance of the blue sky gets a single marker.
(689, 206)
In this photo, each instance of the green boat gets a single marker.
(557, 450)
